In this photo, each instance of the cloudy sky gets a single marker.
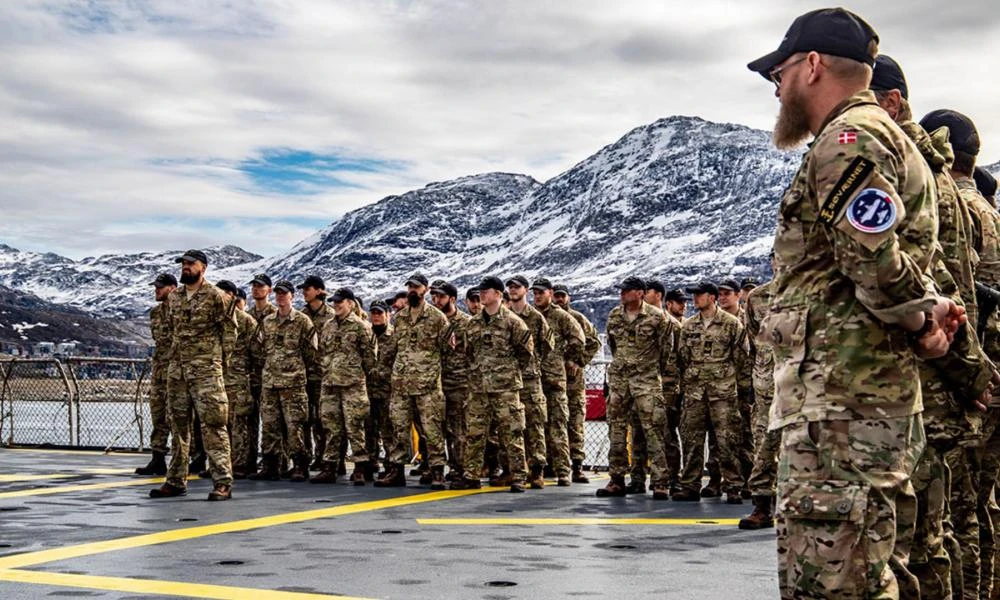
(163, 125)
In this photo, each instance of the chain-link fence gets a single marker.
(76, 402)
(595, 428)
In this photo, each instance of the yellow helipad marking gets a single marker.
(578, 521)
(99, 471)
(147, 586)
(17, 561)
(19, 477)
(82, 487)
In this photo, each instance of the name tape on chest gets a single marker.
(852, 179)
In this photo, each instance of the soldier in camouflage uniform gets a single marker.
(236, 374)
(532, 394)
(204, 334)
(576, 384)
(675, 302)
(454, 374)
(159, 326)
(639, 342)
(730, 300)
(378, 428)
(347, 350)
(499, 346)
(472, 301)
(850, 315)
(260, 291)
(710, 351)
(419, 340)
(566, 357)
(314, 294)
(287, 342)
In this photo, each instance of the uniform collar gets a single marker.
(860, 99)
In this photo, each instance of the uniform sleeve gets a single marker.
(741, 347)
(855, 177)
(575, 340)
(612, 342)
(666, 344)
(593, 343)
(369, 349)
(546, 340)
(308, 343)
(521, 342)
(227, 319)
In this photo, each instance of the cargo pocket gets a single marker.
(784, 329)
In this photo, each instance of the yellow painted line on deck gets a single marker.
(19, 477)
(17, 561)
(164, 588)
(84, 487)
(578, 521)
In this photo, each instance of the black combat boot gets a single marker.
(614, 489)
(437, 478)
(300, 470)
(156, 466)
(268, 470)
(535, 479)
(395, 476)
(360, 473)
(636, 486)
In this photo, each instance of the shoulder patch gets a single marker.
(872, 211)
(855, 175)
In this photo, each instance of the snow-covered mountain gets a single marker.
(113, 285)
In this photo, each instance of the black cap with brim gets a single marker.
(986, 183)
(241, 293)
(285, 286)
(378, 306)
(832, 31)
(164, 280)
(472, 294)
(261, 279)
(677, 295)
(703, 287)
(962, 133)
(632, 283)
(491, 283)
(313, 281)
(729, 284)
(560, 288)
(417, 279)
(541, 284)
(342, 294)
(888, 75)
(191, 256)
(520, 280)
(227, 286)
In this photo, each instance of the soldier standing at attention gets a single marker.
(637, 335)
(204, 333)
(454, 374)
(499, 345)
(576, 384)
(708, 352)
(472, 301)
(237, 377)
(260, 291)
(850, 315)
(347, 353)
(287, 341)
(159, 325)
(532, 394)
(566, 357)
(676, 304)
(314, 294)
(731, 301)
(378, 427)
(417, 345)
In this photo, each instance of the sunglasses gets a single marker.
(775, 74)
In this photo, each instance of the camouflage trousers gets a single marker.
(240, 404)
(343, 411)
(315, 431)
(929, 561)
(206, 397)
(455, 401)
(646, 401)
(557, 422)
(988, 462)
(665, 415)
(837, 488)
(427, 410)
(964, 524)
(764, 475)
(576, 396)
(158, 438)
(672, 439)
(536, 419)
(745, 453)
(505, 411)
(699, 417)
(378, 428)
(285, 414)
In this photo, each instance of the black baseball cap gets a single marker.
(962, 131)
(676, 295)
(888, 75)
(656, 286)
(986, 183)
(227, 286)
(560, 288)
(491, 283)
(378, 306)
(441, 286)
(164, 279)
(342, 294)
(632, 283)
(241, 293)
(313, 281)
(472, 294)
(417, 279)
(729, 284)
(285, 285)
(520, 280)
(833, 31)
(703, 287)
(541, 284)
(261, 279)
(748, 283)
(399, 296)
(192, 255)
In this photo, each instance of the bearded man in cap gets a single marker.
(851, 314)
(203, 336)
(159, 326)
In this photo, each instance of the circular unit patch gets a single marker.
(872, 211)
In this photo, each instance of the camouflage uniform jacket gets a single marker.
(592, 345)
(380, 377)
(256, 358)
(711, 350)
(986, 231)
(671, 374)
(544, 342)
(744, 358)
(347, 351)
(498, 348)
(416, 347)
(159, 327)
(568, 348)
(840, 290)
(204, 331)
(455, 361)
(319, 318)
(238, 372)
(757, 303)
(288, 344)
(639, 348)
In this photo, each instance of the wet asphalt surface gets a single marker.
(374, 550)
